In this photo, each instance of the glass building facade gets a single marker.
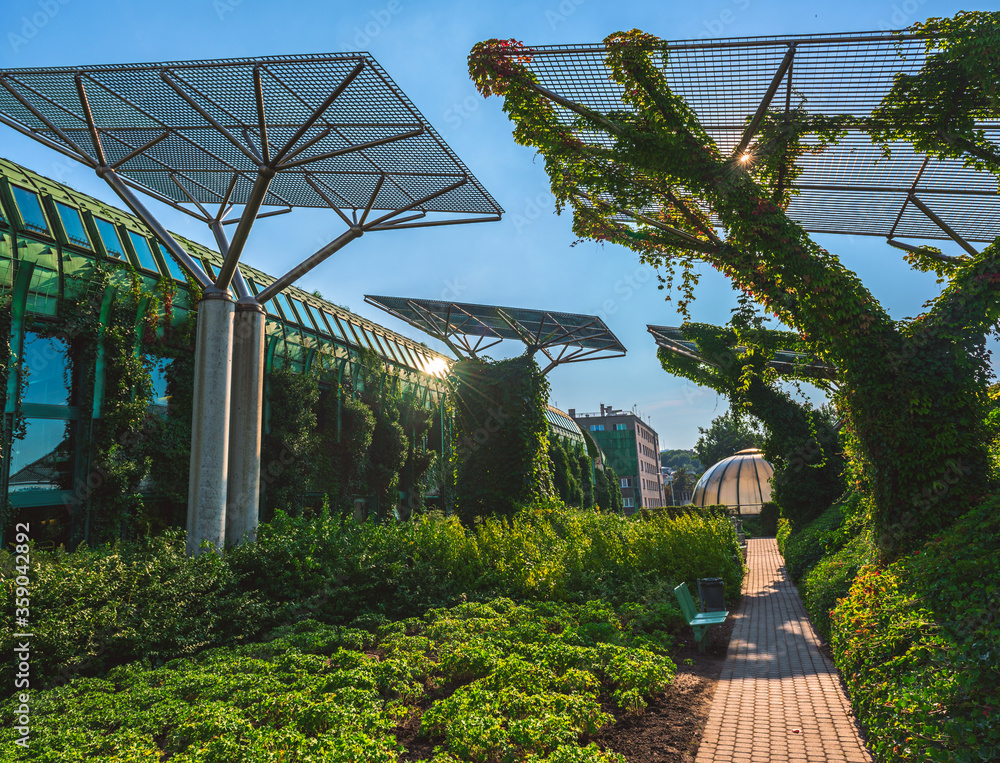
(51, 241)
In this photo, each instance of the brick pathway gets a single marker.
(775, 680)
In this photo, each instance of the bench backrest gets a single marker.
(686, 602)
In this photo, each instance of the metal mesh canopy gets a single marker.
(337, 128)
(850, 187)
(671, 338)
(469, 329)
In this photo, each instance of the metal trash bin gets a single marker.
(712, 593)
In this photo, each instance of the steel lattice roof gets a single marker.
(454, 322)
(849, 188)
(155, 138)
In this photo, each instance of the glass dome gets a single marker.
(742, 481)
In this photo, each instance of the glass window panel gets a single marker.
(173, 267)
(45, 363)
(316, 316)
(408, 356)
(368, 338)
(334, 325)
(158, 374)
(110, 238)
(43, 458)
(376, 341)
(143, 252)
(31, 209)
(284, 308)
(392, 348)
(72, 223)
(362, 338)
(304, 318)
(256, 289)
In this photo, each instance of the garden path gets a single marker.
(779, 698)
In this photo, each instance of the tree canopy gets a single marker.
(912, 392)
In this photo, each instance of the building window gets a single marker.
(597, 427)
(143, 252)
(627, 503)
(173, 267)
(45, 365)
(109, 237)
(626, 481)
(30, 209)
(43, 458)
(73, 225)
(620, 427)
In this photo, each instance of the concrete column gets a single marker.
(245, 422)
(213, 363)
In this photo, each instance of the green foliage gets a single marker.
(416, 474)
(524, 682)
(912, 392)
(501, 436)
(674, 459)
(609, 491)
(290, 449)
(105, 606)
(570, 472)
(827, 534)
(916, 642)
(726, 435)
(96, 608)
(769, 513)
(346, 426)
(388, 451)
(830, 580)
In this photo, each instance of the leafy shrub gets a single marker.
(101, 607)
(830, 532)
(97, 608)
(830, 580)
(917, 644)
(523, 683)
(769, 518)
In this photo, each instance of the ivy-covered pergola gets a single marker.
(732, 152)
(851, 185)
(210, 137)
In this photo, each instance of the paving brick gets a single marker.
(776, 679)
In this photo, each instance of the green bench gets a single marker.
(699, 621)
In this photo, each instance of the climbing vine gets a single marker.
(501, 442)
(800, 442)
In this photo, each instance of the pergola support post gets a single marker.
(245, 423)
(207, 487)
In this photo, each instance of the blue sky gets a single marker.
(524, 260)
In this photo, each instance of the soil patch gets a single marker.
(668, 731)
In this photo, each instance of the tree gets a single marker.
(913, 392)
(674, 459)
(726, 435)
